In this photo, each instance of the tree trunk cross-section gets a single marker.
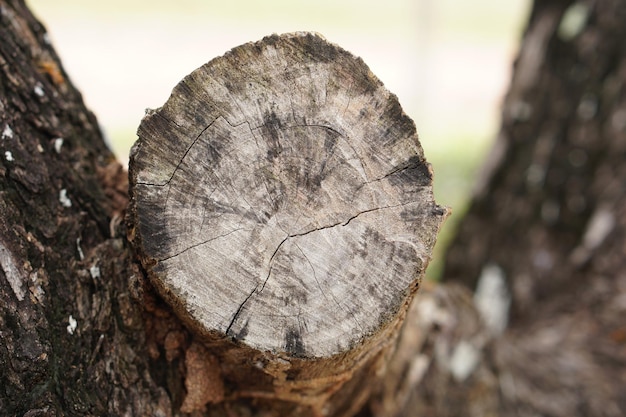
(281, 198)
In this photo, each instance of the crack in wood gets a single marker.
(238, 312)
(317, 125)
(200, 244)
(398, 170)
(322, 228)
(191, 145)
(250, 172)
(330, 290)
(314, 274)
(269, 272)
(412, 163)
(184, 154)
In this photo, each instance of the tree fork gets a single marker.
(282, 205)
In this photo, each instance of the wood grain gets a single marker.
(284, 197)
(281, 197)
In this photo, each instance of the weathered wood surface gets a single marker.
(281, 198)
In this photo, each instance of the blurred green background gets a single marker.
(448, 61)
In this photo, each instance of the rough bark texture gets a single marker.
(71, 338)
(280, 198)
(545, 238)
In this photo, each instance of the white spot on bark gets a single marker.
(64, 199)
(46, 38)
(58, 142)
(94, 271)
(463, 361)
(8, 156)
(39, 148)
(601, 224)
(618, 120)
(573, 21)
(39, 90)
(417, 369)
(531, 57)
(11, 271)
(7, 133)
(71, 327)
(431, 313)
(81, 255)
(599, 227)
(492, 298)
(37, 291)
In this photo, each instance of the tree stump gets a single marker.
(282, 205)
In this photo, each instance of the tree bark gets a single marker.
(72, 340)
(281, 200)
(542, 245)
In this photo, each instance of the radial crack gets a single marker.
(345, 223)
(191, 145)
(314, 274)
(269, 272)
(270, 266)
(320, 126)
(239, 310)
(200, 244)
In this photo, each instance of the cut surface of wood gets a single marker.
(281, 198)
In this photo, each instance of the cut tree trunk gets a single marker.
(81, 330)
(282, 205)
(82, 333)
